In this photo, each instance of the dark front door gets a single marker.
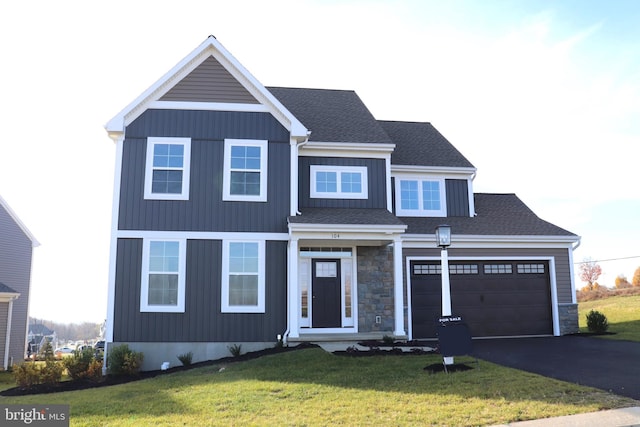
(326, 293)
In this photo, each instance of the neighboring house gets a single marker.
(16, 251)
(242, 213)
(38, 335)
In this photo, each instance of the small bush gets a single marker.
(236, 350)
(51, 372)
(387, 340)
(124, 361)
(78, 364)
(185, 358)
(597, 322)
(27, 374)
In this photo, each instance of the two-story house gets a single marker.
(242, 213)
(16, 253)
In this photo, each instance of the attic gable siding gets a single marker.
(209, 82)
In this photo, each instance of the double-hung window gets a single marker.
(338, 182)
(167, 168)
(245, 170)
(163, 275)
(420, 197)
(243, 276)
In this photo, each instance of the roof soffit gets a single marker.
(210, 47)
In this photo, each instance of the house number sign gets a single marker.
(335, 235)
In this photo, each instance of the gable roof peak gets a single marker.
(210, 47)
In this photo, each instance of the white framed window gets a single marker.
(163, 275)
(245, 170)
(420, 196)
(338, 182)
(167, 168)
(243, 276)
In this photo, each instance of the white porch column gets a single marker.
(294, 298)
(398, 288)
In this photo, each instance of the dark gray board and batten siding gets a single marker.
(202, 320)
(205, 210)
(376, 175)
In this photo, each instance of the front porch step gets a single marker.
(337, 337)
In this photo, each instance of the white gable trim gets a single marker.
(210, 47)
(25, 230)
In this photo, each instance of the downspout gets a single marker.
(295, 210)
(572, 273)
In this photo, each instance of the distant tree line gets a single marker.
(589, 273)
(85, 331)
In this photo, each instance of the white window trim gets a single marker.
(144, 288)
(338, 194)
(225, 306)
(420, 212)
(186, 168)
(226, 180)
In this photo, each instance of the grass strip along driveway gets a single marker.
(312, 387)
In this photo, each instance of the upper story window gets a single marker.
(245, 170)
(420, 197)
(167, 168)
(339, 182)
(243, 277)
(163, 276)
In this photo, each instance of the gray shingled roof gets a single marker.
(6, 289)
(332, 115)
(345, 216)
(497, 214)
(421, 144)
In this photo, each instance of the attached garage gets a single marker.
(495, 298)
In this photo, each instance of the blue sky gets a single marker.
(543, 97)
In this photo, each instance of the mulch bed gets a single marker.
(110, 380)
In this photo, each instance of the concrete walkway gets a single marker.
(626, 417)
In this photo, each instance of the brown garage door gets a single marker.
(495, 298)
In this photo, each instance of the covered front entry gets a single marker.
(495, 298)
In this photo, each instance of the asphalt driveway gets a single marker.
(601, 363)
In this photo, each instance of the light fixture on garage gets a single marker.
(443, 236)
(443, 239)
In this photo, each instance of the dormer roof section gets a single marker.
(208, 78)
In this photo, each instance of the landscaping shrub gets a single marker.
(597, 322)
(81, 365)
(185, 358)
(235, 350)
(26, 374)
(51, 372)
(124, 361)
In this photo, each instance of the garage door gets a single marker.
(495, 298)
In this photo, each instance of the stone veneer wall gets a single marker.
(568, 317)
(375, 289)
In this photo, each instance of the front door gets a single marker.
(326, 294)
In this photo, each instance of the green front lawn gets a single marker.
(623, 314)
(312, 387)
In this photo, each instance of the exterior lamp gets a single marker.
(443, 236)
(443, 240)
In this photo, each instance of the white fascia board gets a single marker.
(433, 170)
(210, 47)
(199, 235)
(8, 296)
(494, 241)
(354, 228)
(20, 224)
(347, 149)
